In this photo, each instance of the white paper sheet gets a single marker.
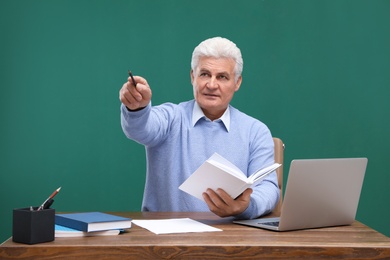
(177, 225)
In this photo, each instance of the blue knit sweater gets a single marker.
(175, 148)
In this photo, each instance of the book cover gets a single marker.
(92, 221)
(218, 172)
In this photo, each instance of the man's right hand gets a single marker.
(135, 97)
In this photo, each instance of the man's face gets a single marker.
(214, 85)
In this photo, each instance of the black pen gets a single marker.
(132, 78)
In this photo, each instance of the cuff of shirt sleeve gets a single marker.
(247, 214)
(137, 112)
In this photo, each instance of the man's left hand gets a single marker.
(221, 204)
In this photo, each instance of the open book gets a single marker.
(218, 172)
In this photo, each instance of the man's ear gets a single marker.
(192, 76)
(238, 83)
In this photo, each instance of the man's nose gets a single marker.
(212, 83)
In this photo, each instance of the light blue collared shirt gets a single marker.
(197, 113)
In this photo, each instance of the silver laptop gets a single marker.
(319, 193)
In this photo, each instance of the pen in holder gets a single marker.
(32, 226)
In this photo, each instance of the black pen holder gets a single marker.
(32, 226)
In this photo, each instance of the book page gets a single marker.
(226, 165)
(260, 174)
(210, 176)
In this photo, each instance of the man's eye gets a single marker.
(204, 74)
(223, 77)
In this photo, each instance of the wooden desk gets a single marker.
(356, 241)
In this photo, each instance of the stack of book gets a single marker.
(89, 224)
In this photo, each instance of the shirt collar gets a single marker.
(197, 114)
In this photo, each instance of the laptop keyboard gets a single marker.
(274, 223)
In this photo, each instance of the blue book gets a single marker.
(92, 221)
(61, 231)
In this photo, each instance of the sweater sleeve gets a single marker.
(148, 126)
(266, 194)
(134, 123)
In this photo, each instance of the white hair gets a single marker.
(218, 47)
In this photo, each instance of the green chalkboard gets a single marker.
(316, 72)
